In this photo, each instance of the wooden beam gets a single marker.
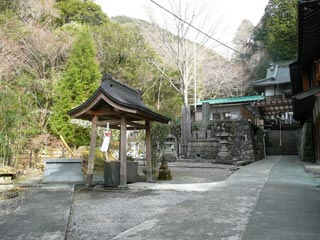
(123, 152)
(103, 112)
(117, 122)
(272, 103)
(135, 128)
(148, 152)
(93, 140)
(111, 122)
(137, 125)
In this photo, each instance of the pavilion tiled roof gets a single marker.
(122, 95)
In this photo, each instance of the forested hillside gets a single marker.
(275, 38)
(54, 52)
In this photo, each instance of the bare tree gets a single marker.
(171, 37)
(221, 78)
(35, 11)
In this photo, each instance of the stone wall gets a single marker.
(306, 149)
(203, 148)
(245, 141)
(288, 142)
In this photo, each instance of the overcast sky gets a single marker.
(228, 14)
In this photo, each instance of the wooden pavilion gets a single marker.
(123, 108)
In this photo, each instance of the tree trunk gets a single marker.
(185, 130)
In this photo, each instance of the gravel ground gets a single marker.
(106, 214)
(10, 203)
(102, 214)
(7, 206)
(198, 175)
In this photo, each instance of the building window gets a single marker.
(198, 116)
(215, 116)
(226, 115)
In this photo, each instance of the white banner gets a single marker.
(106, 141)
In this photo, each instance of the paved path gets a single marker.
(272, 199)
(269, 199)
(288, 207)
(43, 214)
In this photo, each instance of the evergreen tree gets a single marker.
(82, 11)
(79, 80)
(277, 31)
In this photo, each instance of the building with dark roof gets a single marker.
(305, 75)
(111, 97)
(276, 85)
(120, 107)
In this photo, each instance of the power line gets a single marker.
(197, 29)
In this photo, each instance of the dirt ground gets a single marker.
(104, 214)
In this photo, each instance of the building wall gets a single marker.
(316, 128)
(246, 114)
(224, 112)
(269, 91)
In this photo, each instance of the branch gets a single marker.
(164, 74)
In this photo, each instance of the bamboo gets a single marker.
(70, 151)
(67, 146)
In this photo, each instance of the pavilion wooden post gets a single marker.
(148, 152)
(123, 151)
(93, 140)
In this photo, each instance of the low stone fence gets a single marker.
(244, 140)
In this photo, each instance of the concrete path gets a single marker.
(269, 199)
(288, 207)
(272, 199)
(43, 214)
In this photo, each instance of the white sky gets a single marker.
(227, 14)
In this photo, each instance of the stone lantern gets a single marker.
(170, 148)
(224, 155)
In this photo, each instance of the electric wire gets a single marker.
(195, 28)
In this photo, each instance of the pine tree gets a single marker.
(79, 80)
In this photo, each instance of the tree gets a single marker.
(277, 30)
(124, 53)
(16, 122)
(243, 36)
(78, 82)
(82, 11)
(180, 52)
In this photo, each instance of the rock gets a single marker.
(164, 171)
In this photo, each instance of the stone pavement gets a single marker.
(272, 199)
(288, 207)
(43, 214)
(269, 199)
